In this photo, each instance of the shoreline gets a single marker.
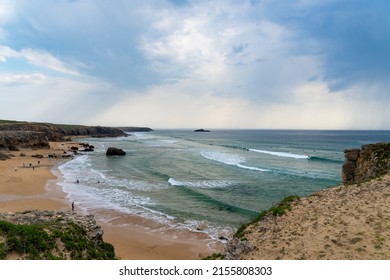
(28, 187)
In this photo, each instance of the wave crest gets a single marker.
(281, 154)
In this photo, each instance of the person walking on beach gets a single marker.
(72, 206)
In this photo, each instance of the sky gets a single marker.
(259, 64)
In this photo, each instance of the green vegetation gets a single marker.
(277, 210)
(50, 241)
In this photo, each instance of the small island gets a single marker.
(201, 130)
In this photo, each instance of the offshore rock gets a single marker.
(113, 151)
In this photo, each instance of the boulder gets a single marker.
(113, 151)
(4, 156)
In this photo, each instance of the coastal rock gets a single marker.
(71, 236)
(135, 129)
(4, 156)
(15, 140)
(370, 161)
(113, 151)
(15, 136)
(201, 130)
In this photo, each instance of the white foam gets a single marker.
(281, 154)
(230, 159)
(252, 168)
(200, 184)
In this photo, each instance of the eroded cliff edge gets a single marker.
(52, 235)
(20, 135)
(368, 162)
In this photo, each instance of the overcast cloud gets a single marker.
(215, 64)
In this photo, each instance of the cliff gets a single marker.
(365, 163)
(52, 235)
(91, 131)
(348, 221)
(19, 135)
(15, 140)
(135, 129)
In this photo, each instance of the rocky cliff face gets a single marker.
(368, 162)
(15, 135)
(15, 140)
(52, 235)
(51, 132)
(92, 131)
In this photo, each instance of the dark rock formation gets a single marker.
(236, 248)
(68, 236)
(201, 130)
(370, 161)
(112, 151)
(15, 140)
(135, 129)
(20, 135)
(92, 131)
(4, 156)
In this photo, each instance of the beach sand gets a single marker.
(27, 187)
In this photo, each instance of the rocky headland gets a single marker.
(349, 221)
(23, 135)
(135, 129)
(52, 235)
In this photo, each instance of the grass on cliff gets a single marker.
(50, 241)
(277, 210)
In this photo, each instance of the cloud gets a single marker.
(228, 63)
(350, 37)
(18, 79)
(38, 58)
(38, 97)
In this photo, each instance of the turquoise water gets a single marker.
(222, 178)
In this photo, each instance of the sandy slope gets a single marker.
(343, 222)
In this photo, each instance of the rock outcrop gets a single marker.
(113, 151)
(136, 129)
(4, 156)
(66, 234)
(15, 140)
(370, 161)
(92, 131)
(20, 135)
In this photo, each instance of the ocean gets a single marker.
(207, 181)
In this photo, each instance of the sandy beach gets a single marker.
(28, 182)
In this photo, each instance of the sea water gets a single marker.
(223, 178)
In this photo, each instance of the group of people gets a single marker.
(30, 165)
